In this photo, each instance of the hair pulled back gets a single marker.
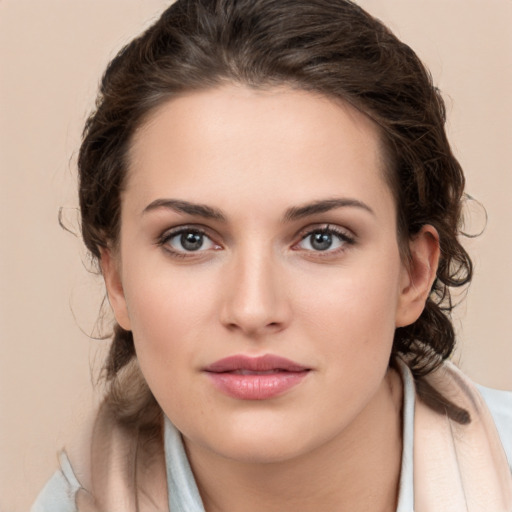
(331, 47)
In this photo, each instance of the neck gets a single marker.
(358, 470)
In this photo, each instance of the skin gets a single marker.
(259, 286)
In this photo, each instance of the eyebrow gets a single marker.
(322, 206)
(180, 206)
(294, 213)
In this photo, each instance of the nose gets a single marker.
(255, 301)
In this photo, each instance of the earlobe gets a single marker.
(113, 283)
(418, 275)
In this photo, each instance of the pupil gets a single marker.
(321, 241)
(191, 241)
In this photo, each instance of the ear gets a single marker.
(418, 275)
(112, 276)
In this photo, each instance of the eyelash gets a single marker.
(342, 235)
(163, 241)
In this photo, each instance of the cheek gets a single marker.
(359, 303)
(351, 326)
(169, 314)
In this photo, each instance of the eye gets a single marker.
(326, 239)
(187, 240)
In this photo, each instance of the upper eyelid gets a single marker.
(328, 227)
(345, 235)
(170, 233)
(216, 237)
(163, 242)
(347, 242)
(176, 230)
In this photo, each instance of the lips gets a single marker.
(255, 378)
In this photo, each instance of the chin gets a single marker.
(264, 440)
(262, 451)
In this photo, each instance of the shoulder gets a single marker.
(490, 406)
(101, 469)
(58, 495)
(74, 474)
(499, 404)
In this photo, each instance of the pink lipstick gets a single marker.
(255, 378)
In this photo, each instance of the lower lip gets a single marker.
(256, 387)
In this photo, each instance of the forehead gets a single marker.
(278, 141)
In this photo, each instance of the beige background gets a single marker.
(51, 56)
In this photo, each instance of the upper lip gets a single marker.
(255, 364)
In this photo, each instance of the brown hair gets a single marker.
(331, 47)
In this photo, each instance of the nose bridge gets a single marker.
(256, 300)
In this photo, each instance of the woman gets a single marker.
(270, 195)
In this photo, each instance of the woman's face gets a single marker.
(258, 268)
